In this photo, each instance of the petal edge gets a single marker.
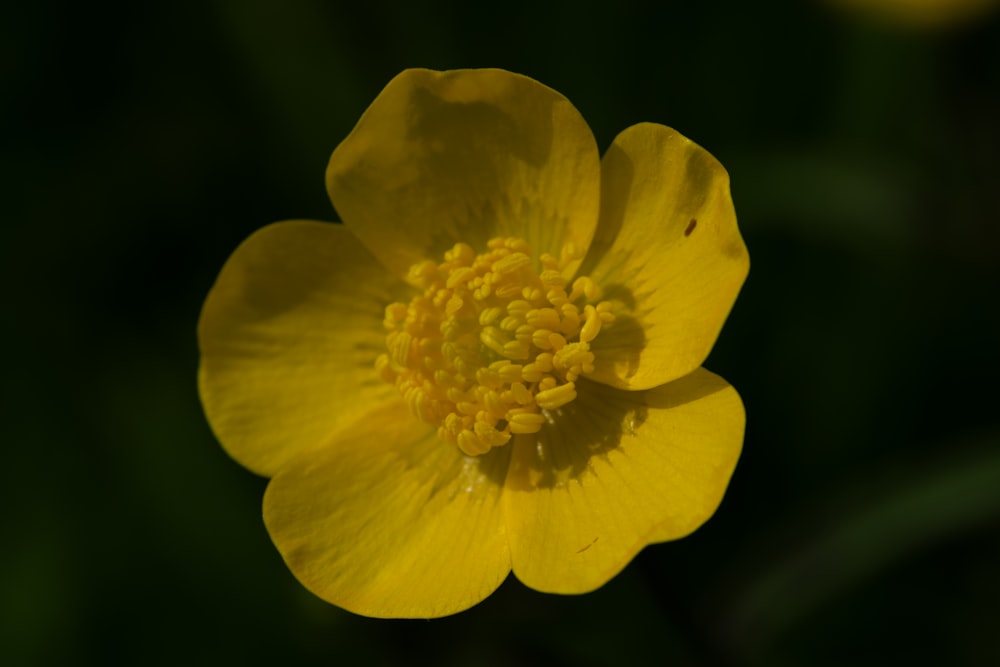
(668, 251)
(466, 155)
(390, 522)
(288, 337)
(618, 472)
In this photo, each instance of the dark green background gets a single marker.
(143, 141)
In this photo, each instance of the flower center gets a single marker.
(490, 345)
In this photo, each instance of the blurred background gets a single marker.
(143, 141)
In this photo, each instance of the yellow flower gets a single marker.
(493, 364)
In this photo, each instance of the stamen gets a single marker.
(491, 341)
(550, 399)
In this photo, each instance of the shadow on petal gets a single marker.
(593, 426)
(618, 348)
(441, 124)
(612, 218)
(466, 155)
(590, 426)
(688, 389)
(617, 471)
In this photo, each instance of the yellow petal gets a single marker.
(466, 155)
(289, 334)
(615, 471)
(668, 250)
(388, 521)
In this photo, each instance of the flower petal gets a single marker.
(288, 336)
(668, 250)
(617, 470)
(388, 521)
(466, 155)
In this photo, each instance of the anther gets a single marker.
(490, 345)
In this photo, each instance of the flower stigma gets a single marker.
(491, 344)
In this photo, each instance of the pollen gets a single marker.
(492, 342)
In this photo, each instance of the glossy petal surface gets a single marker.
(388, 521)
(615, 471)
(669, 250)
(288, 336)
(579, 376)
(466, 155)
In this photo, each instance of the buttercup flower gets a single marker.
(493, 364)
